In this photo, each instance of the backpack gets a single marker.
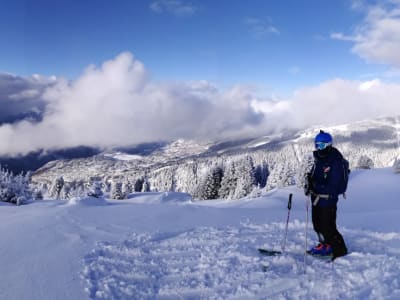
(345, 178)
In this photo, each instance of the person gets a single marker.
(322, 185)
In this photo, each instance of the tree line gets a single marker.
(217, 177)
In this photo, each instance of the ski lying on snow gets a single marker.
(269, 252)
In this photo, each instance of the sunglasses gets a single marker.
(321, 145)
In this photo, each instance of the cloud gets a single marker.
(21, 96)
(175, 7)
(341, 101)
(377, 39)
(118, 104)
(259, 28)
(342, 37)
(367, 85)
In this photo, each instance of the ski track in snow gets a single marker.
(223, 263)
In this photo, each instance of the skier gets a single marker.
(322, 184)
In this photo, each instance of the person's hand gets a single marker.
(308, 187)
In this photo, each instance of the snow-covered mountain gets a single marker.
(184, 166)
(167, 246)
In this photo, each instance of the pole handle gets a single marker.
(289, 205)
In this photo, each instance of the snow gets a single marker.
(123, 156)
(183, 147)
(165, 246)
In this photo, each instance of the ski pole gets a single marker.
(289, 206)
(306, 237)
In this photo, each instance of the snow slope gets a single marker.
(164, 246)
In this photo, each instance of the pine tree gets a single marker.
(14, 189)
(305, 167)
(40, 191)
(146, 186)
(273, 178)
(138, 186)
(38, 194)
(7, 193)
(212, 183)
(78, 188)
(57, 187)
(282, 175)
(116, 191)
(364, 162)
(246, 178)
(261, 174)
(228, 182)
(66, 191)
(127, 188)
(95, 189)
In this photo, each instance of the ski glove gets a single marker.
(308, 186)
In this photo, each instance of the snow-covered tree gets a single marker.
(57, 187)
(261, 174)
(211, 185)
(256, 192)
(189, 176)
(116, 191)
(145, 186)
(365, 162)
(282, 175)
(38, 194)
(304, 168)
(95, 189)
(228, 182)
(66, 191)
(127, 188)
(138, 186)
(14, 189)
(77, 188)
(107, 185)
(239, 178)
(246, 177)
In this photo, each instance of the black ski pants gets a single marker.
(324, 223)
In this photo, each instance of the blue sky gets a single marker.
(276, 45)
(105, 73)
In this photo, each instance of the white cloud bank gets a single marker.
(118, 104)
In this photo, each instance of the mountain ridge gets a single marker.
(184, 165)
